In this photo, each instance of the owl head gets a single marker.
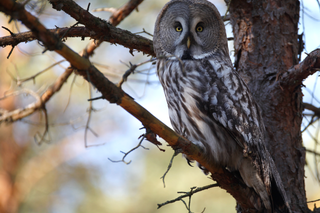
(189, 29)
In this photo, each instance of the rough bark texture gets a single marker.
(266, 46)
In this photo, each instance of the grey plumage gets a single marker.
(208, 102)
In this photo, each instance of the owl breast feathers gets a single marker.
(209, 103)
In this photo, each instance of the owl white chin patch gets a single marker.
(202, 56)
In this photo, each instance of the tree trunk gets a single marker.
(266, 46)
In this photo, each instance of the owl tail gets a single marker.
(252, 179)
(279, 197)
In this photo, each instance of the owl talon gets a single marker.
(177, 151)
(189, 162)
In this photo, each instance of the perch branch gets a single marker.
(114, 95)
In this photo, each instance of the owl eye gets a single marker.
(199, 28)
(178, 28)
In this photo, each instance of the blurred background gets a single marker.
(68, 173)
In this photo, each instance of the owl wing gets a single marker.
(229, 102)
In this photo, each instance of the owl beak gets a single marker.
(188, 42)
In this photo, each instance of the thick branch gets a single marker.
(113, 94)
(103, 29)
(296, 74)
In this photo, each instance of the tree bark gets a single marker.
(266, 46)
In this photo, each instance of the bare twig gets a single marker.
(313, 152)
(144, 31)
(70, 91)
(87, 127)
(313, 119)
(131, 70)
(312, 201)
(188, 194)
(18, 114)
(225, 17)
(7, 117)
(127, 153)
(14, 44)
(127, 73)
(33, 77)
(168, 168)
(40, 138)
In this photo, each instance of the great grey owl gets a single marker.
(209, 103)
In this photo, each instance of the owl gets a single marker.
(208, 102)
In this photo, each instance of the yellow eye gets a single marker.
(199, 29)
(178, 29)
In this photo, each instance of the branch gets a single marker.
(313, 152)
(312, 108)
(12, 116)
(96, 30)
(188, 194)
(113, 94)
(124, 11)
(28, 36)
(116, 35)
(104, 30)
(125, 154)
(296, 74)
